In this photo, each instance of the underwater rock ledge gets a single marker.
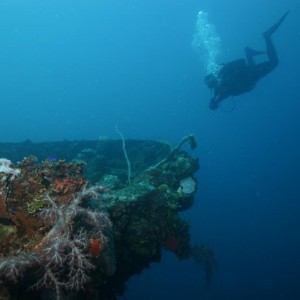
(74, 224)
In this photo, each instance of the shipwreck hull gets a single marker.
(78, 218)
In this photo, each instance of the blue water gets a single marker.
(76, 69)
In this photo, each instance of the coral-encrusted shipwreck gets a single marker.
(72, 226)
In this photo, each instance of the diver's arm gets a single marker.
(219, 96)
(216, 100)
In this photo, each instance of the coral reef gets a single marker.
(75, 228)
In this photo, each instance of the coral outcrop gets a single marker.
(72, 226)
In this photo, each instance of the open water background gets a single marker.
(75, 69)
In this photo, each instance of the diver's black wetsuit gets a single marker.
(262, 69)
(240, 76)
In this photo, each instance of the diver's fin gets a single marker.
(252, 52)
(270, 31)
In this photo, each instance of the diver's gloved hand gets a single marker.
(213, 104)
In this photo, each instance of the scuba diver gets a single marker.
(241, 75)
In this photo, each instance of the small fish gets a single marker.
(52, 158)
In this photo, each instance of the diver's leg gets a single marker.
(250, 53)
(262, 69)
(265, 68)
(249, 56)
(271, 52)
